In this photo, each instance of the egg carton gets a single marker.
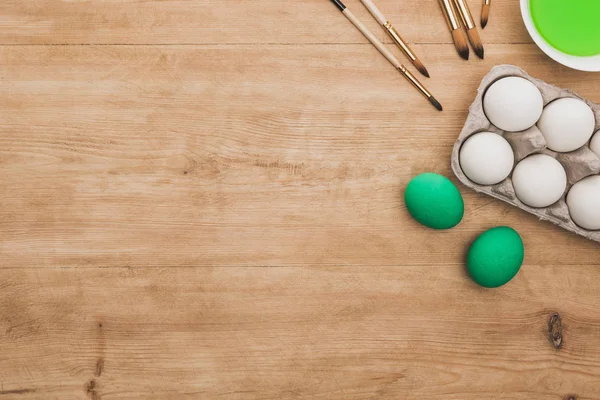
(578, 164)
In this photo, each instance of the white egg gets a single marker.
(486, 158)
(595, 144)
(539, 180)
(513, 104)
(584, 203)
(567, 124)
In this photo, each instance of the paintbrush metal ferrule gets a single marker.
(419, 86)
(393, 33)
(405, 48)
(388, 54)
(465, 14)
(415, 82)
(449, 14)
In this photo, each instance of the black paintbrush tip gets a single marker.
(461, 44)
(480, 52)
(419, 65)
(485, 14)
(476, 42)
(436, 103)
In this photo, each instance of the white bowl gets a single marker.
(591, 64)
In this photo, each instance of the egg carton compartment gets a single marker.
(578, 164)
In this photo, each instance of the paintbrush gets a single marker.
(387, 53)
(485, 12)
(389, 28)
(467, 19)
(458, 35)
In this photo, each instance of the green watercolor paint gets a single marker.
(570, 26)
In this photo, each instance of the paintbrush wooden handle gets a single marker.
(378, 15)
(387, 53)
(451, 18)
(372, 38)
(393, 33)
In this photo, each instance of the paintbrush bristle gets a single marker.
(485, 14)
(435, 103)
(476, 42)
(419, 65)
(460, 42)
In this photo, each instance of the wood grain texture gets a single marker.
(160, 156)
(298, 332)
(232, 21)
(203, 199)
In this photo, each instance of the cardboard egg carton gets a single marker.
(578, 164)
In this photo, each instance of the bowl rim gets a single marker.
(589, 64)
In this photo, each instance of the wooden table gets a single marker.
(203, 199)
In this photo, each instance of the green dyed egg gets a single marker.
(495, 257)
(434, 201)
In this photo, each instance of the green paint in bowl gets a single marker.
(570, 26)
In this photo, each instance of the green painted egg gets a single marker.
(434, 201)
(495, 257)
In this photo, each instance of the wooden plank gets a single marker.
(237, 155)
(416, 332)
(233, 21)
(213, 209)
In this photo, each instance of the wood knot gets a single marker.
(90, 390)
(555, 331)
(571, 397)
(99, 367)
